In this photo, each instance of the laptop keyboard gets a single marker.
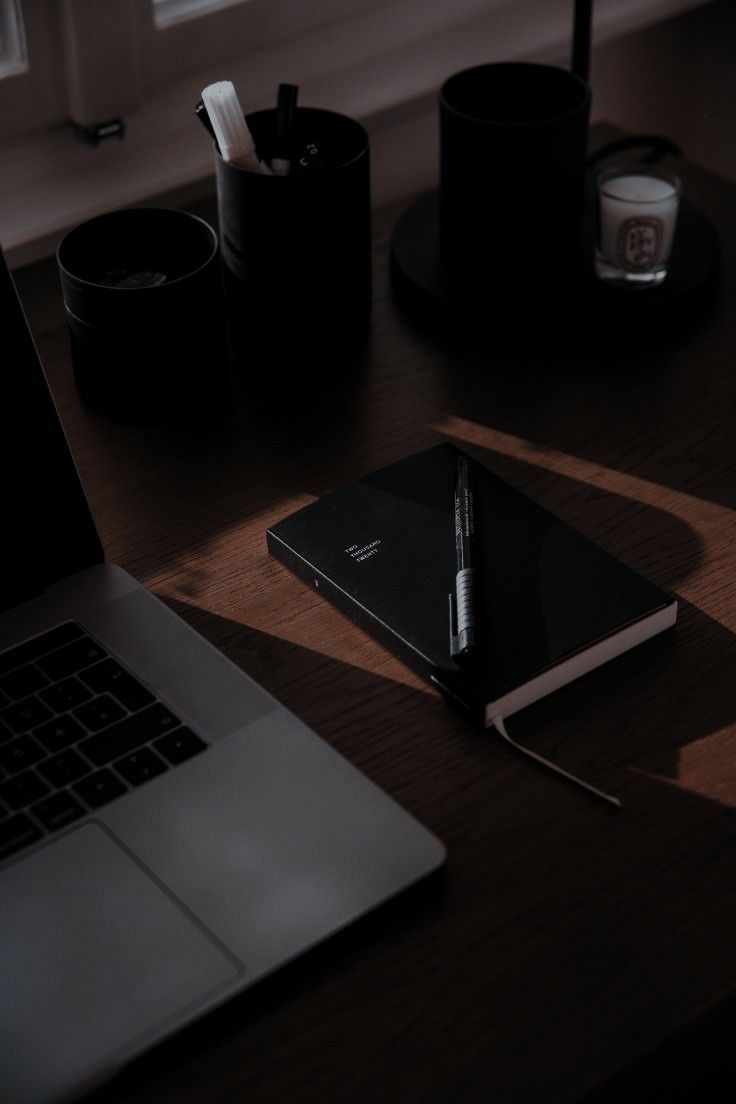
(77, 730)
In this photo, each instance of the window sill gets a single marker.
(49, 182)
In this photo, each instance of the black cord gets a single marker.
(657, 146)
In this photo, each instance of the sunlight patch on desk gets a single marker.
(706, 767)
(189, 575)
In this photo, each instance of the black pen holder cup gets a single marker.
(297, 248)
(513, 139)
(143, 296)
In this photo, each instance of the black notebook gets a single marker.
(551, 607)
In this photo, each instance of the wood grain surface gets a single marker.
(563, 939)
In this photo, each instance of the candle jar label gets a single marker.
(637, 213)
(639, 242)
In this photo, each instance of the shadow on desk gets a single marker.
(217, 1058)
(544, 905)
(662, 410)
(628, 724)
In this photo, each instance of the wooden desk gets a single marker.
(563, 939)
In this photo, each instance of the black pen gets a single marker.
(285, 112)
(203, 115)
(463, 624)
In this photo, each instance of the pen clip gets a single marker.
(203, 115)
(455, 648)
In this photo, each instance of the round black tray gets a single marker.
(418, 282)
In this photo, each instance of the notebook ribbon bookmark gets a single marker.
(500, 727)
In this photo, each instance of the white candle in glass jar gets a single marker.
(638, 213)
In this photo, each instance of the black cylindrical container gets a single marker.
(297, 248)
(513, 141)
(143, 296)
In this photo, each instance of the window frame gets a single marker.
(43, 100)
(19, 63)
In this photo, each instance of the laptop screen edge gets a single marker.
(54, 532)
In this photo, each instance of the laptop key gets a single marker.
(65, 695)
(17, 832)
(72, 658)
(40, 645)
(110, 677)
(23, 790)
(68, 766)
(20, 753)
(58, 810)
(25, 715)
(99, 788)
(59, 733)
(128, 735)
(180, 745)
(22, 682)
(99, 713)
(139, 766)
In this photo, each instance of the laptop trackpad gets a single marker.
(94, 955)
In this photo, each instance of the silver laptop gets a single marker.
(169, 833)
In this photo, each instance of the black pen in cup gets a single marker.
(203, 115)
(281, 162)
